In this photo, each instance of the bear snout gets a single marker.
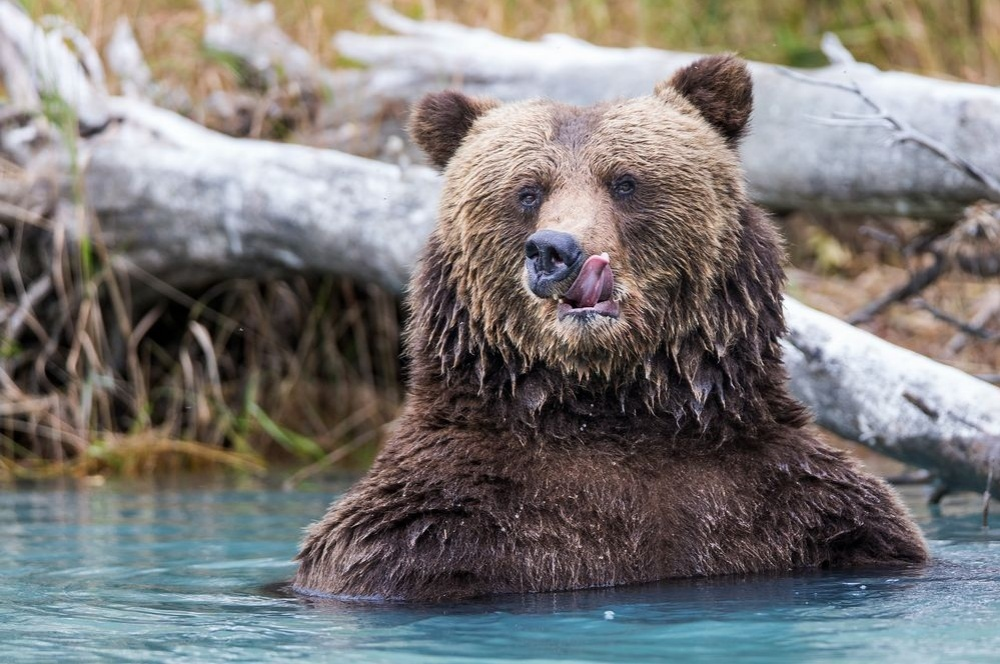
(551, 258)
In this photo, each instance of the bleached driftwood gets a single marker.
(895, 401)
(188, 205)
(810, 147)
(297, 209)
(191, 205)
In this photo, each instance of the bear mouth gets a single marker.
(591, 292)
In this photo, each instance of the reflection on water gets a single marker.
(192, 575)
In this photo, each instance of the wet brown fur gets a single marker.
(537, 454)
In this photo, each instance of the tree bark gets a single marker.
(811, 146)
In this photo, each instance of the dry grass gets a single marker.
(936, 37)
(251, 371)
(307, 369)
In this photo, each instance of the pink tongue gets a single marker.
(594, 283)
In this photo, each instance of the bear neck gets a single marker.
(723, 380)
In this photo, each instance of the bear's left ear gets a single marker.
(719, 87)
(440, 121)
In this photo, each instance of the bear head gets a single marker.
(598, 241)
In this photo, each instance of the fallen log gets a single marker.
(191, 206)
(897, 402)
(188, 206)
(815, 143)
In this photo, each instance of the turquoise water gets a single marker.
(189, 575)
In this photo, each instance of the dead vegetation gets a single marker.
(91, 381)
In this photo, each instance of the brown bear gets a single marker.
(597, 395)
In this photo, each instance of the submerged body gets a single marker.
(534, 516)
(596, 394)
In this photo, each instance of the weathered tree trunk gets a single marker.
(188, 205)
(895, 401)
(811, 146)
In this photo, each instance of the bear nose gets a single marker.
(551, 257)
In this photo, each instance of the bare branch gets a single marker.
(125, 59)
(988, 308)
(835, 51)
(59, 73)
(917, 282)
(968, 328)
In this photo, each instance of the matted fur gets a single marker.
(536, 454)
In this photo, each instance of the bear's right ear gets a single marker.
(440, 121)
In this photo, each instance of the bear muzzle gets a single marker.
(554, 259)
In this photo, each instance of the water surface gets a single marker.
(185, 574)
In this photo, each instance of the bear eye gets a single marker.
(529, 198)
(623, 186)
